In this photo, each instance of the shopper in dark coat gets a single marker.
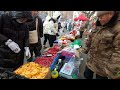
(13, 38)
(36, 47)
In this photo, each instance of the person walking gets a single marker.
(46, 30)
(54, 27)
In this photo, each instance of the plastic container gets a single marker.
(68, 55)
(69, 58)
(66, 70)
(76, 63)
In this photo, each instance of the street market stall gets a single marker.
(56, 62)
(61, 60)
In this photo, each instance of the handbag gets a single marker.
(33, 35)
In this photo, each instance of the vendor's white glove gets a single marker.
(27, 52)
(13, 46)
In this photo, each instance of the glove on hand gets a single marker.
(13, 46)
(57, 34)
(27, 52)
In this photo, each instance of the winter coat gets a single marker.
(53, 27)
(46, 25)
(32, 26)
(53, 22)
(104, 48)
(10, 29)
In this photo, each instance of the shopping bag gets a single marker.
(33, 35)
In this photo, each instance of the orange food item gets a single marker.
(32, 70)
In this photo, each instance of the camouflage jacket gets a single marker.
(104, 48)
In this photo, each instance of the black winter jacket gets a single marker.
(10, 29)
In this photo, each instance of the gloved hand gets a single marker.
(57, 34)
(13, 46)
(27, 52)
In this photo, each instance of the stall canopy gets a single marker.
(82, 18)
(76, 19)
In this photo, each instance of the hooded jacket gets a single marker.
(53, 23)
(10, 29)
(104, 48)
(46, 25)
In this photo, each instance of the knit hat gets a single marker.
(99, 13)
